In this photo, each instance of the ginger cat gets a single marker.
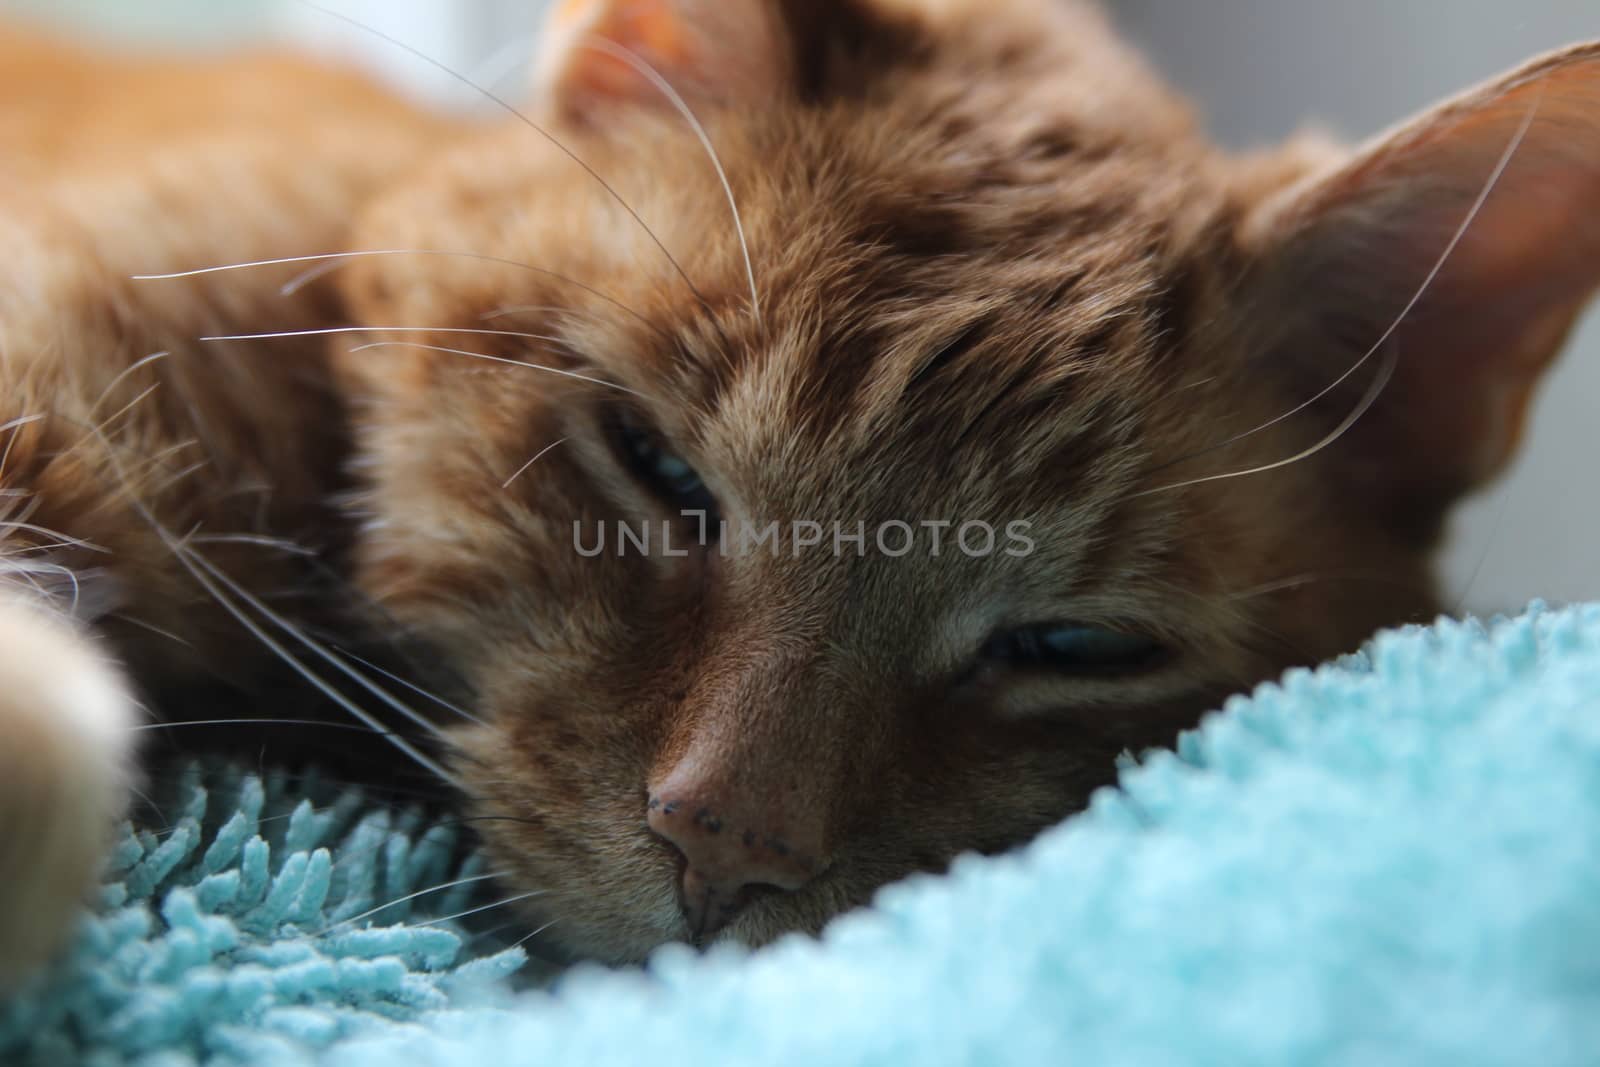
(810, 442)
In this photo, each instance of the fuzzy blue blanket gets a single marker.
(1392, 860)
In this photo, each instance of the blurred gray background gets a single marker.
(1259, 68)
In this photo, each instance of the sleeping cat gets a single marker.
(811, 441)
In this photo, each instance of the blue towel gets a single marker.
(1394, 859)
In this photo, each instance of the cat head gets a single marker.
(824, 435)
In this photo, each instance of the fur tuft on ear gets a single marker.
(1489, 208)
(602, 54)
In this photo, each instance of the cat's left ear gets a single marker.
(598, 55)
(1503, 185)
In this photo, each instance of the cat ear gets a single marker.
(1489, 207)
(604, 54)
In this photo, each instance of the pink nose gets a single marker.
(731, 851)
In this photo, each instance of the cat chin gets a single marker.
(66, 749)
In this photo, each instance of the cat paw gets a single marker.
(66, 747)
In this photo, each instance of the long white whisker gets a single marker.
(188, 559)
(45, 531)
(535, 933)
(151, 628)
(541, 454)
(42, 547)
(334, 260)
(197, 465)
(496, 67)
(518, 309)
(332, 330)
(1370, 397)
(638, 63)
(500, 359)
(277, 261)
(419, 893)
(262, 722)
(184, 557)
(260, 541)
(306, 277)
(294, 631)
(501, 103)
(129, 406)
(483, 907)
(21, 420)
(122, 376)
(15, 426)
(31, 572)
(417, 689)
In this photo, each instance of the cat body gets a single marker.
(819, 271)
(123, 428)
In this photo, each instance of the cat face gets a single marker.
(1018, 439)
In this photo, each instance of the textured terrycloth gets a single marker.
(250, 927)
(1392, 860)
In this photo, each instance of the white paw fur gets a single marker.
(66, 747)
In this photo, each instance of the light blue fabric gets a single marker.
(1392, 860)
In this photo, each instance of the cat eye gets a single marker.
(665, 472)
(1074, 648)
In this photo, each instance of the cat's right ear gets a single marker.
(601, 56)
(1463, 244)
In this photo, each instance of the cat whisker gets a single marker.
(186, 557)
(264, 722)
(168, 829)
(526, 309)
(417, 689)
(537, 457)
(122, 376)
(278, 543)
(500, 359)
(474, 879)
(150, 628)
(1382, 342)
(1370, 397)
(15, 426)
(129, 406)
(20, 507)
(21, 420)
(332, 330)
(191, 561)
(166, 824)
(33, 572)
(306, 277)
(1228, 605)
(664, 87)
(193, 468)
(315, 647)
(499, 65)
(555, 142)
(521, 941)
(492, 931)
(1312, 577)
(334, 260)
(484, 907)
(42, 548)
(12, 525)
(353, 591)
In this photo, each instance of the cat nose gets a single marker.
(733, 851)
